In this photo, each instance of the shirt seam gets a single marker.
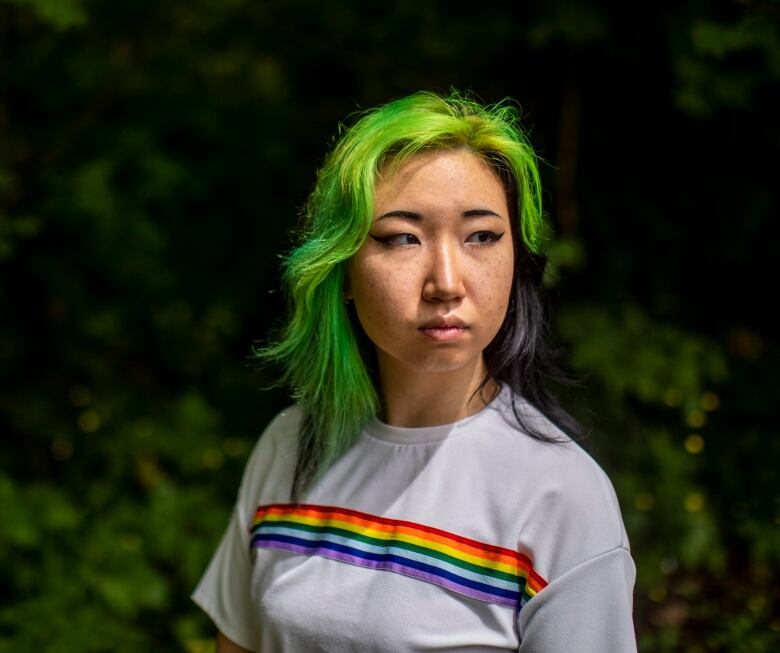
(587, 561)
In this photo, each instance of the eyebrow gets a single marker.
(412, 215)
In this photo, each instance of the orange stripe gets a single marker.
(327, 510)
(480, 552)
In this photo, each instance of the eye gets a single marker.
(484, 238)
(397, 240)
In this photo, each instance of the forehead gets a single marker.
(457, 175)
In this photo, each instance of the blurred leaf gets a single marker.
(573, 22)
(630, 354)
(57, 13)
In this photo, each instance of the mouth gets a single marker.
(443, 330)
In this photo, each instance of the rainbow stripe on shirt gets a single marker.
(476, 569)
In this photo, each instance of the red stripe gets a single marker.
(523, 560)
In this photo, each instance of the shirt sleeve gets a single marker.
(588, 609)
(223, 592)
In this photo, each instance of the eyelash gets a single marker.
(387, 241)
(493, 237)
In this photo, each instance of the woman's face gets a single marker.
(431, 283)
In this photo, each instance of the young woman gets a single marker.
(425, 492)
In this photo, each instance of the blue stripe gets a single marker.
(337, 533)
(258, 539)
(447, 563)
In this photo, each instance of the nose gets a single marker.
(444, 279)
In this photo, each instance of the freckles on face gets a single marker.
(382, 288)
(439, 256)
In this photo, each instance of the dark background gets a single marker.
(153, 159)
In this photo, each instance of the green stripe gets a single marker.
(463, 564)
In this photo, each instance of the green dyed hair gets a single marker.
(319, 347)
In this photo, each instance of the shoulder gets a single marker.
(580, 503)
(280, 432)
(572, 512)
(273, 457)
(285, 424)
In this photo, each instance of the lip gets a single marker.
(443, 329)
(444, 323)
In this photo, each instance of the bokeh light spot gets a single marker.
(694, 443)
(212, 458)
(61, 448)
(756, 603)
(709, 401)
(234, 447)
(672, 397)
(694, 502)
(644, 501)
(668, 565)
(657, 594)
(696, 419)
(89, 421)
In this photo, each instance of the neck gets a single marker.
(414, 398)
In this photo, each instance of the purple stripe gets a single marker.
(387, 565)
(420, 565)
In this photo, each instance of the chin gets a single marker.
(440, 364)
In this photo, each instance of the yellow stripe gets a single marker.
(383, 535)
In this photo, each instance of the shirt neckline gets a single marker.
(379, 430)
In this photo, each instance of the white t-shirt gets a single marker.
(470, 536)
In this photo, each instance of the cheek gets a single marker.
(378, 292)
(495, 283)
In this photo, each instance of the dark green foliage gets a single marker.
(153, 157)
